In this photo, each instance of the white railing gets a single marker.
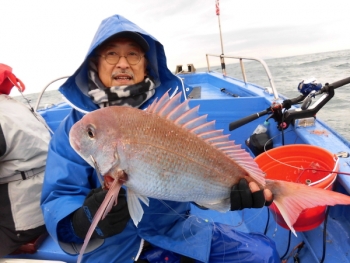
(43, 91)
(240, 58)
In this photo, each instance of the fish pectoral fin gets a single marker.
(134, 205)
(222, 206)
(144, 199)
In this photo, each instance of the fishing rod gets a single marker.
(217, 11)
(285, 118)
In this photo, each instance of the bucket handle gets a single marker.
(325, 178)
(335, 178)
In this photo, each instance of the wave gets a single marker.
(320, 61)
(314, 59)
(343, 65)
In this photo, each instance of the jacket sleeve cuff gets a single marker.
(65, 231)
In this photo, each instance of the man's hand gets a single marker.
(112, 224)
(249, 196)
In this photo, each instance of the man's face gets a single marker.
(122, 73)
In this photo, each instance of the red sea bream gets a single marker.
(169, 152)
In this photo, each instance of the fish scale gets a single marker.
(166, 164)
(179, 141)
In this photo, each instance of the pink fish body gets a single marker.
(169, 152)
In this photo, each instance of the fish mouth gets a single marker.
(108, 180)
(119, 175)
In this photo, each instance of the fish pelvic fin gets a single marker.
(188, 118)
(292, 198)
(111, 199)
(134, 205)
(222, 206)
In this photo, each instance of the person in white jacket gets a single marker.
(23, 149)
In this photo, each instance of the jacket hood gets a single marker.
(76, 87)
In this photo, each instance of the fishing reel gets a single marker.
(282, 112)
(284, 116)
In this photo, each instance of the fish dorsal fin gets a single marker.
(170, 105)
(188, 118)
(160, 103)
(151, 107)
(209, 134)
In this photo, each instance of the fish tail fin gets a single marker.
(107, 204)
(292, 198)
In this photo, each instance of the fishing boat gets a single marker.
(286, 139)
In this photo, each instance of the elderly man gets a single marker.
(127, 66)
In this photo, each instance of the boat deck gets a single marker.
(237, 100)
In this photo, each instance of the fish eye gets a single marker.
(90, 132)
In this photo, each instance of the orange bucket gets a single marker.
(287, 163)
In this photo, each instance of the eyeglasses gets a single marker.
(113, 58)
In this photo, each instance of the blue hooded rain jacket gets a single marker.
(166, 225)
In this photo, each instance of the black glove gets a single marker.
(242, 197)
(112, 224)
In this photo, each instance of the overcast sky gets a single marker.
(46, 39)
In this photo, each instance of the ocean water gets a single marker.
(287, 73)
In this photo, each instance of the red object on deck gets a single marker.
(30, 247)
(283, 167)
(8, 80)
